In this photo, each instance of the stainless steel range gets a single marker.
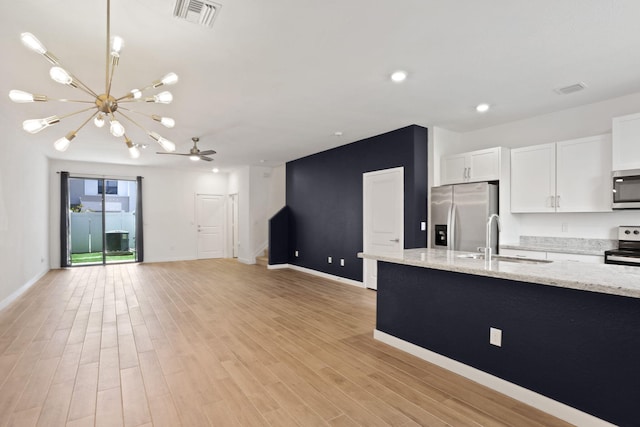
(628, 252)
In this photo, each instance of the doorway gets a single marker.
(383, 218)
(211, 220)
(102, 222)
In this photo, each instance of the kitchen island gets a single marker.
(570, 332)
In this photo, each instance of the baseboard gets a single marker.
(22, 289)
(318, 273)
(247, 260)
(531, 398)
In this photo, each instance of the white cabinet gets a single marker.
(583, 175)
(474, 166)
(567, 176)
(533, 178)
(626, 142)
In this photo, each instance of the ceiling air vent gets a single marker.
(566, 90)
(197, 11)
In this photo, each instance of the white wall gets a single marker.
(24, 216)
(586, 120)
(169, 201)
(261, 191)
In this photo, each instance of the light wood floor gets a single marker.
(216, 342)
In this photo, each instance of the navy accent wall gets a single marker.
(324, 194)
(577, 347)
(279, 237)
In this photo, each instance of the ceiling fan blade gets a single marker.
(208, 159)
(207, 152)
(174, 154)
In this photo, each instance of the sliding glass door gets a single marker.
(102, 224)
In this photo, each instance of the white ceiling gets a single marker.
(273, 80)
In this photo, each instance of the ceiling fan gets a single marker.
(194, 153)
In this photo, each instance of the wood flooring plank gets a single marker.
(56, 406)
(135, 408)
(163, 411)
(109, 369)
(109, 408)
(83, 400)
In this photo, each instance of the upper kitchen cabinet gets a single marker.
(567, 176)
(533, 178)
(583, 174)
(626, 142)
(473, 166)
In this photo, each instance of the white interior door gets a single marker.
(211, 226)
(383, 218)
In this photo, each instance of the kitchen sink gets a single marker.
(508, 259)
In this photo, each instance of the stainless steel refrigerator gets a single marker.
(459, 215)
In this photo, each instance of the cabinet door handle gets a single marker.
(469, 173)
(552, 201)
(557, 201)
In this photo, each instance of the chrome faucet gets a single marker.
(487, 247)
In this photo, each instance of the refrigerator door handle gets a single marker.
(451, 229)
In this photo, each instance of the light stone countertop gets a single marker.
(602, 278)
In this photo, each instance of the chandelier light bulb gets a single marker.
(62, 144)
(167, 122)
(170, 79)
(30, 41)
(134, 152)
(116, 128)
(136, 94)
(163, 98)
(99, 121)
(164, 143)
(60, 75)
(36, 125)
(116, 46)
(21, 96)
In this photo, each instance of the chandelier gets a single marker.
(104, 106)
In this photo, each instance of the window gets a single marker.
(112, 187)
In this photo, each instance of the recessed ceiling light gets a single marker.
(483, 108)
(215, 170)
(399, 76)
(337, 133)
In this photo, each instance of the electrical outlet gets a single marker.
(495, 337)
(297, 254)
(329, 260)
(565, 227)
(423, 226)
(341, 262)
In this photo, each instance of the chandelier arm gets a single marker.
(77, 112)
(86, 121)
(72, 100)
(83, 87)
(132, 121)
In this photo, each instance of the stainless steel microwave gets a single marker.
(626, 189)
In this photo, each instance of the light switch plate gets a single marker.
(495, 337)
(329, 260)
(423, 226)
(341, 262)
